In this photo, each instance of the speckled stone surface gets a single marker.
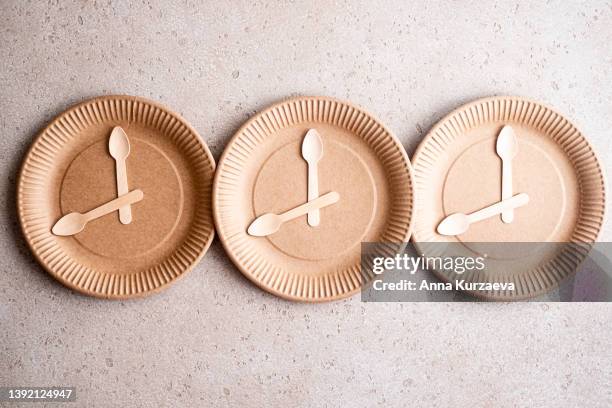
(213, 339)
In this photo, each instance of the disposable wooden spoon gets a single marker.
(270, 223)
(458, 223)
(312, 150)
(119, 148)
(74, 223)
(506, 150)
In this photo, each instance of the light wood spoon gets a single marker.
(74, 223)
(458, 223)
(312, 150)
(119, 148)
(506, 149)
(270, 223)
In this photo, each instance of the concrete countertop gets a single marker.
(214, 339)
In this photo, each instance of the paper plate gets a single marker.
(69, 169)
(457, 169)
(262, 171)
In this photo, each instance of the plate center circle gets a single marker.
(474, 182)
(90, 181)
(282, 185)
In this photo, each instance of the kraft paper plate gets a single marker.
(69, 168)
(262, 171)
(457, 169)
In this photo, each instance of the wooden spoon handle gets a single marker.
(313, 193)
(113, 205)
(508, 214)
(517, 201)
(323, 201)
(125, 212)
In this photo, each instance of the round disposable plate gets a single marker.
(69, 168)
(262, 170)
(458, 169)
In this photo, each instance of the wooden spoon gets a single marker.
(458, 223)
(270, 223)
(312, 150)
(119, 148)
(74, 223)
(506, 149)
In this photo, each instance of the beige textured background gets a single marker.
(215, 339)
